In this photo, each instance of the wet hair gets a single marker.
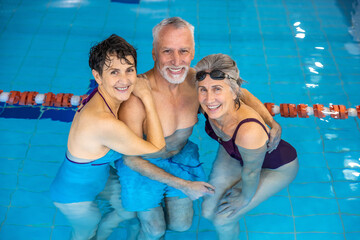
(176, 22)
(227, 65)
(99, 55)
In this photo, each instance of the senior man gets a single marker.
(161, 187)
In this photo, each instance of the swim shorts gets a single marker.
(140, 193)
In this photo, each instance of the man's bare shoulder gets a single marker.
(191, 77)
(149, 72)
(133, 104)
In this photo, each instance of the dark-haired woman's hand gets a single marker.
(142, 86)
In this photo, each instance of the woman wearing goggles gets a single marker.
(244, 173)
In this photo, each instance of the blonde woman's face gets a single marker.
(215, 97)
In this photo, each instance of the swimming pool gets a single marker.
(288, 52)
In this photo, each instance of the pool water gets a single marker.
(288, 52)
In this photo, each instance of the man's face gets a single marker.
(173, 53)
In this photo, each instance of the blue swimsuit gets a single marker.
(80, 182)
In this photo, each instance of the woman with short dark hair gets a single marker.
(97, 137)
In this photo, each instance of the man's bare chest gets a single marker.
(177, 113)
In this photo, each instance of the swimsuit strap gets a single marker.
(86, 100)
(107, 104)
(249, 120)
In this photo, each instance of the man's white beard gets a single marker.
(171, 78)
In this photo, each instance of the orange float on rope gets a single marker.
(82, 97)
(343, 112)
(358, 110)
(284, 111)
(288, 110)
(58, 99)
(338, 111)
(14, 97)
(318, 108)
(269, 108)
(22, 99)
(66, 101)
(30, 100)
(49, 99)
(301, 110)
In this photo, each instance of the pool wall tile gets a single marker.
(265, 223)
(26, 216)
(351, 222)
(350, 205)
(320, 236)
(5, 197)
(346, 174)
(24, 232)
(3, 211)
(22, 198)
(13, 137)
(9, 166)
(274, 205)
(312, 175)
(60, 219)
(271, 236)
(321, 223)
(61, 232)
(14, 151)
(314, 206)
(52, 153)
(8, 181)
(36, 168)
(347, 189)
(312, 189)
(34, 183)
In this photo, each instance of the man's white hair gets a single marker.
(176, 22)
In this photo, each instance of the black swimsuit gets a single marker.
(282, 155)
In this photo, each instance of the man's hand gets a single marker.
(195, 190)
(275, 137)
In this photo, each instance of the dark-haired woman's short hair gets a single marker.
(99, 55)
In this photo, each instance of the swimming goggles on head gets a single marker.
(214, 74)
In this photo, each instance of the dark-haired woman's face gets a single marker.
(118, 78)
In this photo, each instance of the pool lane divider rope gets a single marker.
(48, 99)
(287, 110)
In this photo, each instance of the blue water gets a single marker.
(288, 52)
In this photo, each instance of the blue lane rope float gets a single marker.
(287, 110)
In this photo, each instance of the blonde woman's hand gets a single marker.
(275, 137)
(232, 203)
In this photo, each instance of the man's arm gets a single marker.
(258, 106)
(193, 190)
(132, 113)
